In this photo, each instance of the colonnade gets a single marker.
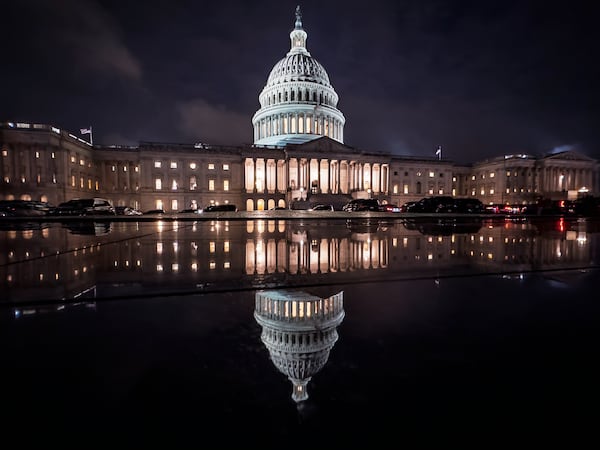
(315, 175)
(299, 123)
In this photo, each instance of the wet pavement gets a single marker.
(150, 333)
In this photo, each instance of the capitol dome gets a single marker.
(298, 103)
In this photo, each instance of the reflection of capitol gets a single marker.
(52, 261)
(299, 330)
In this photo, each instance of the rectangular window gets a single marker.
(173, 164)
(157, 164)
(406, 188)
(124, 168)
(395, 189)
(225, 185)
(158, 184)
(137, 169)
(37, 154)
(97, 185)
(81, 162)
(174, 185)
(211, 185)
(113, 168)
(90, 184)
(52, 155)
(4, 152)
(174, 205)
(39, 178)
(73, 159)
(72, 180)
(193, 184)
(431, 174)
(492, 174)
(81, 182)
(225, 166)
(211, 166)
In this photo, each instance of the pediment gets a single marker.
(324, 145)
(571, 155)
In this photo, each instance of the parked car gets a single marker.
(362, 204)
(127, 211)
(23, 208)
(321, 207)
(219, 208)
(389, 207)
(84, 207)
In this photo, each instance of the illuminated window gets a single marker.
(81, 182)
(225, 185)
(211, 167)
(508, 173)
(482, 191)
(90, 184)
(4, 152)
(157, 164)
(52, 155)
(173, 164)
(211, 247)
(453, 178)
(137, 169)
(211, 185)
(193, 184)
(124, 168)
(39, 178)
(419, 173)
(158, 184)
(473, 177)
(395, 190)
(193, 166)
(226, 246)
(492, 191)
(431, 174)
(81, 162)
(97, 185)
(54, 178)
(174, 205)
(405, 189)
(226, 265)
(72, 180)
(492, 174)
(37, 154)
(73, 159)
(225, 166)
(174, 185)
(113, 168)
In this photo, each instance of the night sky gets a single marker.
(479, 78)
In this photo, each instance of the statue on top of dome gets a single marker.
(298, 18)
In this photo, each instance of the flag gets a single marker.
(438, 152)
(86, 130)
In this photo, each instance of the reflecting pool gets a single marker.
(288, 334)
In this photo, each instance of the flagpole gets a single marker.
(91, 137)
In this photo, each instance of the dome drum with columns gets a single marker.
(298, 103)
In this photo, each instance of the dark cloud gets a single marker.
(479, 78)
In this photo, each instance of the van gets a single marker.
(362, 204)
(220, 208)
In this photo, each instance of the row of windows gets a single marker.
(158, 184)
(420, 174)
(37, 154)
(193, 165)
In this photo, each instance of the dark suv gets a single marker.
(362, 204)
(84, 207)
(225, 207)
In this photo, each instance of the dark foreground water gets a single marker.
(150, 334)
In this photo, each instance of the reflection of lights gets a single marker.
(581, 238)
(175, 246)
(558, 251)
(159, 248)
(394, 242)
(174, 267)
(159, 226)
(159, 268)
(404, 242)
(260, 226)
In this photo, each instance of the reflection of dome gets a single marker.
(298, 103)
(299, 330)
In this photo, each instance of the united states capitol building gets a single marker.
(298, 157)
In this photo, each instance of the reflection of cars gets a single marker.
(155, 211)
(443, 227)
(278, 208)
(362, 204)
(91, 228)
(127, 211)
(224, 207)
(84, 207)
(321, 207)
